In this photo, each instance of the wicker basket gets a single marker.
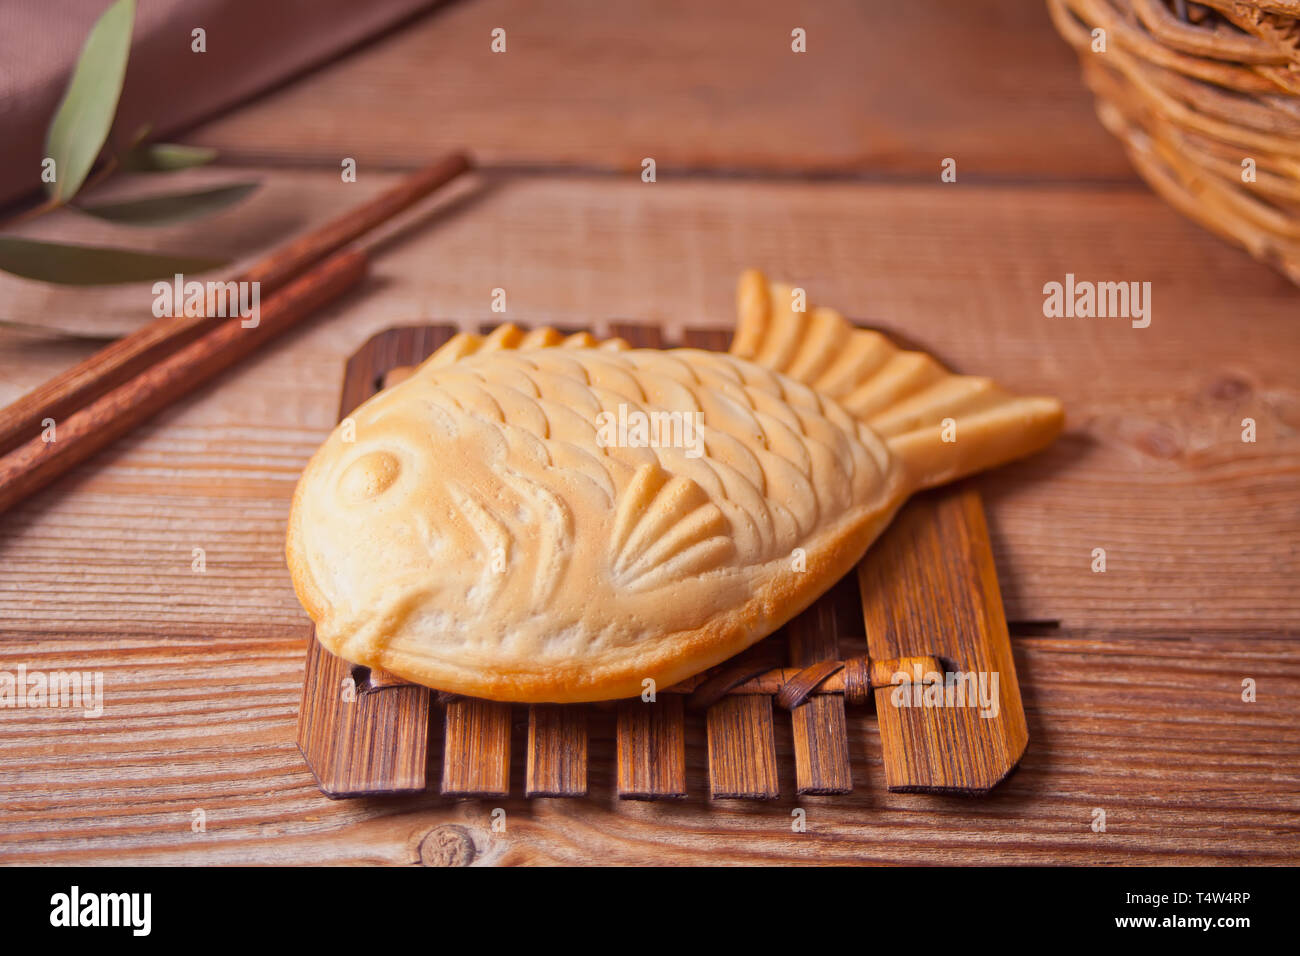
(1205, 97)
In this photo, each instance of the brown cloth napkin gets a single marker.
(251, 45)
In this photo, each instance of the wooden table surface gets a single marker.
(822, 169)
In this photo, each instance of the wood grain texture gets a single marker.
(557, 751)
(651, 749)
(476, 748)
(1154, 732)
(821, 739)
(928, 586)
(882, 89)
(357, 742)
(742, 749)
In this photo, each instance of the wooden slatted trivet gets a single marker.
(925, 597)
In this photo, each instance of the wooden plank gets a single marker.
(821, 739)
(742, 749)
(1153, 732)
(639, 335)
(712, 90)
(476, 748)
(929, 587)
(717, 340)
(374, 738)
(557, 751)
(360, 744)
(651, 748)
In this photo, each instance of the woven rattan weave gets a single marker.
(1206, 99)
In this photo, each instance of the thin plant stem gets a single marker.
(51, 203)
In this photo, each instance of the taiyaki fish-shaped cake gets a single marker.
(533, 517)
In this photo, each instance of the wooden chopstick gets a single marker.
(115, 364)
(78, 436)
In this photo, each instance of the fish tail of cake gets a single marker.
(941, 425)
(510, 337)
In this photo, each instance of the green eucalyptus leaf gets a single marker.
(170, 207)
(84, 117)
(66, 264)
(165, 157)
